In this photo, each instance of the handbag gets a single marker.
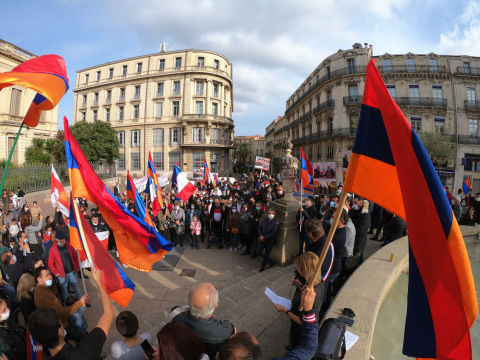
(331, 340)
(350, 264)
(235, 230)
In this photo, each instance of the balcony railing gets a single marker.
(269, 143)
(199, 141)
(207, 117)
(332, 75)
(421, 101)
(472, 105)
(467, 71)
(352, 100)
(305, 116)
(342, 132)
(324, 106)
(221, 142)
(469, 139)
(424, 69)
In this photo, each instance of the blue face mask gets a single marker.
(331, 222)
(25, 241)
(49, 233)
(332, 204)
(15, 258)
(258, 208)
(49, 283)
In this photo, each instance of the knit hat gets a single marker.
(60, 235)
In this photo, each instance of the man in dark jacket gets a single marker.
(396, 229)
(318, 238)
(305, 213)
(255, 216)
(361, 219)
(267, 234)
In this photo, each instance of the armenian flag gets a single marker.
(47, 75)
(306, 171)
(138, 243)
(140, 206)
(390, 166)
(206, 172)
(465, 188)
(153, 174)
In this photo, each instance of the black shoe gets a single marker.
(374, 238)
(88, 305)
(254, 255)
(220, 246)
(271, 265)
(208, 247)
(246, 252)
(370, 232)
(262, 268)
(288, 348)
(203, 240)
(86, 277)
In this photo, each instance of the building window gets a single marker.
(136, 111)
(176, 88)
(83, 116)
(200, 87)
(160, 89)
(108, 99)
(95, 98)
(261, 152)
(121, 138)
(319, 153)
(410, 65)
(201, 61)
(157, 137)
(122, 95)
(158, 160)
(175, 108)
(330, 152)
(107, 114)
(225, 91)
(471, 96)
(437, 95)
(303, 131)
(330, 125)
(310, 153)
(466, 67)
(135, 161)
(121, 162)
(161, 64)
(173, 158)
(433, 65)
(135, 138)
(215, 90)
(414, 94)
(175, 136)
(226, 68)
(216, 134)
(256, 153)
(124, 70)
(178, 62)
(387, 65)
(198, 135)
(329, 95)
(197, 160)
(158, 109)
(473, 128)
(198, 107)
(351, 66)
(86, 78)
(353, 124)
(416, 122)
(139, 68)
(391, 90)
(215, 109)
(216, 64)
(353, 92)
(15, 100)
(120, 112)
(136, 94)
(99, 74)
(110, 73)
(84, 101)
(439, 124)
(95, 115)
(327, 72)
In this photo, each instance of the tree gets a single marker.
(40, 152)
(238, 167)
(243, 151)
(439, 146)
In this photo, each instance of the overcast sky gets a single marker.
(273, 45)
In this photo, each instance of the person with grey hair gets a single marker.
(456, 207)
(202, 302)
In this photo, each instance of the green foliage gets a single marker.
(239, 167)
(40, 152)
(243, 151)
(439, 146)
(3, 163)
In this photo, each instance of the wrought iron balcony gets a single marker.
(332, 75)
(469, 139)
(342, 132)
(324, 106)
(417, 69)
(352, 100)
(305, 116)
(467, 71)
(269, 143)
(221, 142)
(421, 101)
(472, 105)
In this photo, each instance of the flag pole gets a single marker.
(322, 256)
(301, 200)
(82, 234)
(81, 272)
(10, 158)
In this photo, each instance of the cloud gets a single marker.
(471, 11)
(458, 42)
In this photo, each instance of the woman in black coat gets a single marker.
(470, 218)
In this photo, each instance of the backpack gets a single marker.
(331, 339)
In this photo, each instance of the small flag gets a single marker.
(306, 171)
(58, 195)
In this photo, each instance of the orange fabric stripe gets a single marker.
(383, 190)
(122, 296)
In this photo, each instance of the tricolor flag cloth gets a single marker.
(306, 171)
(47, 75)
(138, 243)
(185, 188)
(206, 172)
(139, 205)
(465, 188)
(117, 284)
(153, 174)
(34, 349)
(151, 190)
(58, 195)
(390, 166)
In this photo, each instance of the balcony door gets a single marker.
(414, 94)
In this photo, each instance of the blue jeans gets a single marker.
(16, 212)
(12, 295)
(303, 239)
(266, 257)
(233, 238)
(71, 279)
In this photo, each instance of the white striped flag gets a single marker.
(59, 196)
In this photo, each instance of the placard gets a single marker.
(346, 155)
(258, 162)
(266, 164)
(325, 177)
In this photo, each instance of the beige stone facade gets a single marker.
(14, 103)
(435, 92)
(178, 105)
(257, 145)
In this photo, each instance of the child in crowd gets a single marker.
(196, 228)
(76, 319)
(14, 229)
(129, 348)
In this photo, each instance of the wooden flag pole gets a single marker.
(81, 272)
(333, 228)
(82, 234)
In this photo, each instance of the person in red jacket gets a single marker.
(63, 263)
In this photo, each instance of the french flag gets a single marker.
(185, 188)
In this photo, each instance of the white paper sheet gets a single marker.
(278, 299)
(350, 339)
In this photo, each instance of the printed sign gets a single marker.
(266, 164)
(163, 180)
(325, 177)
(140, 183)
(258, 162)
(346, 155)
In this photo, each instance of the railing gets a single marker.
(199, 141)
(352, 100)
(425, 69)
(207, 117)
(221, 142)
(469, 71)
(275, 159)
(159, 93)
(332, 75)
(305, 116)
(421, 101)
(472, 105)
(269, 142)
(342, 132)
(324, 106)
(278, 145)
(271, 131)
(468, 139)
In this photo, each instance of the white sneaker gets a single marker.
(235, 249)
(244, 247)
(231, 248)
(117, 254)
(125, 266)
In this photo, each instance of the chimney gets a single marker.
(366, 45)
(371, 50)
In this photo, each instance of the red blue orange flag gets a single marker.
(390, 166)
(47, 75)
(206, 172)
(465, 188)
(140, 206)
(117, 284)
(131, 190)
(138, 243)
(153, 174)
(306, 171)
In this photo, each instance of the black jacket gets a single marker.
(268, 229)
(12, 341)
(396, 228)
(361, 222)
(317, 248)
(257, 218)
(308, 213)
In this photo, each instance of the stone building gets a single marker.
(178, 105)
(257, 146)
(14, 103)
(435, 92)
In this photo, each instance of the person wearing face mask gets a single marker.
(23, 249)
(361, 219)
(267, 235)
(191, 212)
(178, 223)
(13, 270)
(232, 230)
(464, 208)
(245, 224)
(31, 231)
(268, 196)
(280, 193)
(12, 338)
(306, 212)
(255, 218)
(63, 261)
(476, 203)
(163, 216)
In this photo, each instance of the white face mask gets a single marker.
(5, 316)
(271, 216)
(356, 206)
(234, 211)
(177, 207)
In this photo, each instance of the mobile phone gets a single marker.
(346, 320)
(147, 348)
